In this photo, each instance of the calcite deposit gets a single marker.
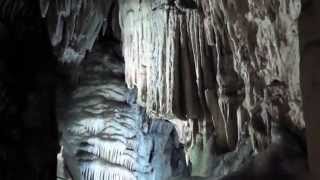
(105, 134)
(74, 25)
(231, 68)
(159, 89)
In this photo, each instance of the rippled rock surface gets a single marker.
(105, 135)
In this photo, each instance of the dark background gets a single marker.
(28, 130)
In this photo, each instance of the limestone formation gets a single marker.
(232, 66)
(105, 135)
(159, 89)
(74, 25)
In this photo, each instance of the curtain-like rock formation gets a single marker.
(225, 73)
(166, 58)
(232, 67)
(170, 63)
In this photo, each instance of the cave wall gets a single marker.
(231, 67)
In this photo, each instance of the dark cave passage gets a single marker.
(28, 79)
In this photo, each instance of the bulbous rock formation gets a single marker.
(105, 135)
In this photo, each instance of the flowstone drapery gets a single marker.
(105, 135)
(231, 68)
(213, 85)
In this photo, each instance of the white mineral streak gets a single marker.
(147, 49)
(98, 171)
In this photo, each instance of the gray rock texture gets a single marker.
(231, 68)
(74, 25)
(159, 89)
(105, 134)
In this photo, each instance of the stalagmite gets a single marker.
(102, 130)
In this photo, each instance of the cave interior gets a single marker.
(159, 90)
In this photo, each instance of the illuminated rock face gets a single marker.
(157, 47)
(262, 42)
(230, 67)
(105, 135)
(226, 73)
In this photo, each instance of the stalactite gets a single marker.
(233, 65)
(170, 66)
(74, 25)
(229, 69)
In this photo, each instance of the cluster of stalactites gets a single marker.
(171, 66)
(74, 25)
(168, 65)
(223, 61)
